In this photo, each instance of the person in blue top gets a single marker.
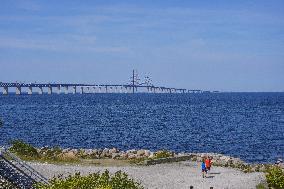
(203, 168)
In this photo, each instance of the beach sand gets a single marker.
(180, 175)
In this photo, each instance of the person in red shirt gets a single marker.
(208, 163)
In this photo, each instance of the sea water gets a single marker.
(245, 125)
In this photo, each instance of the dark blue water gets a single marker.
(245, 125)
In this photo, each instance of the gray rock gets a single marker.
(115, 155)
(113, 150)
(140, 153)
(66, 150)
(132, 156)
(133, 151)
(147, 153)
(124, 155)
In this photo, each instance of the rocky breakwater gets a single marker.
(106, 153)
(147, 157)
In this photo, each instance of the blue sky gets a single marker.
(210, 45)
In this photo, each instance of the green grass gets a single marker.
(260, 186)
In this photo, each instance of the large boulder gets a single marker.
(66, 150)
(152, 155)
(133, 151)
(75, 151)
(105, 153)
(124, 155)
(113, 150)
(68, 156)
(140, 153)
(147, 153)
(132, 156)
(115, 155)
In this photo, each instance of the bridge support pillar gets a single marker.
(5, 90)
(40, 91)
(74, 89)
(30, 90)
(58, 89)
(49, 91)
(81, 90)
(18, 90)
(106, 89)
(66, 89)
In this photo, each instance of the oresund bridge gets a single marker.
(66, 88)
(135, 86)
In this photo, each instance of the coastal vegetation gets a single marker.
(163, 154)
(275, 177)
(28, 152)
(105, 180)
(24, 150)
(4, 184)
(141, 157)
(274, 174)
(261, 186)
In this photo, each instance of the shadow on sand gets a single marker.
(214, 173)
(210, 176)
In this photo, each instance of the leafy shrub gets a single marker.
(162, 154)
(50, 153)
(260, 186)
(275, 177)
(23, 149)
(93, 181)
(4, 184)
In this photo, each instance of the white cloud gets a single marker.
(71, 44)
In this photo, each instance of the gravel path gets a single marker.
(168, 176)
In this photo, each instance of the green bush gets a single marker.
(4, 184)
(260, 186)
(93, 181)
(275, 177)
(23, 149)
(50, 153)
(162, 154)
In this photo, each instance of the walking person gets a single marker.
(208, 163)
(203, 168)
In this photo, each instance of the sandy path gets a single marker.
(168, 176)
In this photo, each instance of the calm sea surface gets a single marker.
(245, 125)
